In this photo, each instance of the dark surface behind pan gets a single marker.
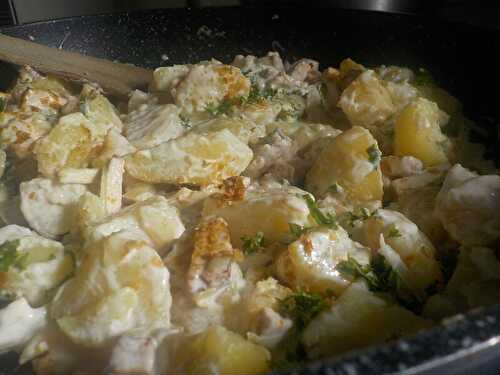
(464, 60)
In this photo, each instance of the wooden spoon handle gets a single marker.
(115, 78)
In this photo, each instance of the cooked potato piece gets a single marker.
(111, 185)
(194, 158)
(20, 130)
(38, 265)
(73, 142)
(150, 125)
(309, 262)
(19, 323)
(98, 109)
(246, 131)
(350, 160)
(366, 101)
(122, 284)
(77, 175)
(155, 217)
(50, 207)
(358, 318)
(208, 85)
(412, 246)
(267, 211)
(3, 160)
(115, 145)
(225, 352)
(167, 77)
(468, 206)
(90, 211)
(417, 133)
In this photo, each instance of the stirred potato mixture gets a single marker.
(238, 218)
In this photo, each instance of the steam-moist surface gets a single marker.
(237, 218)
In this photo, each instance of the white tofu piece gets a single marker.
(48, 206)
(193, 158)
(77, 175)
(19, 322)
(150, 125)
(112, 185)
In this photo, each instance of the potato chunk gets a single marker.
(413, 247)
(39, 265)
(226, 352)
(417, 133)
(122, 284)
(155, 217)
(351, 160)
(366, 101)
(73, 142)
(50, 207)
(148, 126)
(209, 84)
(468, 206)
(358, 318)
(194, 158)
(268, 211)
(309, 262)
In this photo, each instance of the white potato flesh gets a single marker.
(112, 185)
(19, 322)
(468, 207)
(77, 175)
(167, 77)
(155, 217)
(150, 125)
(135, 355)
(98, 109)
(310, 262)
(246, 130)
(121, 285)
(358, 318)
(43, 266)
(209, 84)
(50, 207)
(20, 130)
(366, 101)
(267, 211)
(194, 158)
(413, 247)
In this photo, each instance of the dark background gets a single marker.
(480, 13)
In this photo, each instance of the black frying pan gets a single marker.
(463, 59)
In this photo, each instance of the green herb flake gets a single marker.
(185, 122)
(381, 278)
(9, 256)
(297, 230)
(374, 154)
(302, 307)
(393, 231)
(252, 244)
(325, 220)
(3, 104)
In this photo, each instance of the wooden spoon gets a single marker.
(115, 78)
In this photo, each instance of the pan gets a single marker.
(463, 59)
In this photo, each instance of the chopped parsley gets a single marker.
(297, 230)
(325, 220)
(252, 244)
(258, 95)
(185, 122)
(302, 307)
(374, 154)
(10, 257)
(223, 108)
(364, 214)
(393, 231)
(3, 104)
(381, 278)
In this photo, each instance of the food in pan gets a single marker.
(237, 218)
